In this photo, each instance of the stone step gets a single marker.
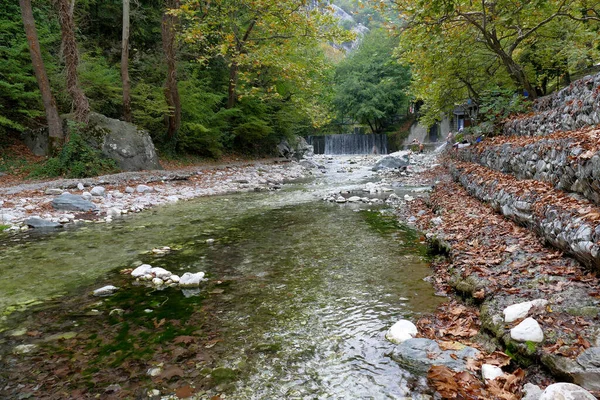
(570, 225)
(569, 161)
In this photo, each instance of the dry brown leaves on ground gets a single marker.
(464, 385)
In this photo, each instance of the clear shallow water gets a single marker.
(311, 287)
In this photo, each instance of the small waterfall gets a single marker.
(349, 144)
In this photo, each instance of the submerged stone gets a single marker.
(418, 355)
(105, 291)
(401, 331)
(40, 223)
(191, 280)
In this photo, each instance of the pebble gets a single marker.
(105, 290)
(54, 192)
(129, 189)
(80, 186)
(144, 189)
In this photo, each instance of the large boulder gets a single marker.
(297, 149)
(130, 147)
(398, 160)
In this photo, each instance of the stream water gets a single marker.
(299, 295)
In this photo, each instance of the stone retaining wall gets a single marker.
(571, 108)
(566, 228)
(560, 162)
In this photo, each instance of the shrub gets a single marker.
(76, 159)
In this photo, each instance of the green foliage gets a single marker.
(498, 104)
(101, 83)
(76, 159)
(370, 83)
(20, 103)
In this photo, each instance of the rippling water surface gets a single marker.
(312, 286)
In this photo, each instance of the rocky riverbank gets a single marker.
(52, 204)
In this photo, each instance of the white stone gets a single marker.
(490, 372)
(172, 199)
(408, 198)
(175, 278)
(53, 191)
(210, 241)
(160, 272)
(97, 191)
(354, 199)
(401, 331)
(566, 391)
(142, 270)
(24, 348)
(86, 195)
(144, 189)
(113, 212)
(105, 290)
(129, 189)
(190, 280)
(531, 391)
(528, 330)
(520, 310)
(157, 281)
(340, 199)
(154, 371)
(117, 194)
(80, 186)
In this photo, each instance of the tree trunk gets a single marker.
(169, 24)
(55, 131)
(125, 64)
(81, 106)
(233, 77)
(517, 74)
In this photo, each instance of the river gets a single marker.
(299, 295)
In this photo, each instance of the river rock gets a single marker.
(98, 191)
(531, 392)
(419, 354)
(528, 330)
(520, 310)
(340, 199)
(157, 281)
(191, 280)
(160, 272)
(144, 189)
(72, 202)
(54, 191)
(105, 291)
(393, 161)
(113, 212)
(566, 391)
(354, 199)
(401, 331)
(142, 270)
(490, 372)
(24, 348)
(80, 186)
(129, 189)
(40, 223)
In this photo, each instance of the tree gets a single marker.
(81, 106)
(55, 131)
(503, 27)
(371, 84)
(169, 27)
(249, 33)
(125, 64)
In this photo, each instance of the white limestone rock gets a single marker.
(354, 199)
(520, 310)
(113, 212)
(401, 331)
(490, 372)
(144, 189)
(531, 392)
(97, 191)
(191, 280)
(105, 291)
(175, 278)
(129, 189)
(161, 273)
(566, 391)
(528, 330)
(142, 270)
(157, 281)
(340, 199)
